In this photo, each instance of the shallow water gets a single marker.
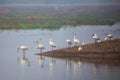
(32, 67)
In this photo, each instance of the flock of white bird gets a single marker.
(68, 41)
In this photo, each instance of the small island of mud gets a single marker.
(104, 51)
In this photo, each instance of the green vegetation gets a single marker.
(55, 21)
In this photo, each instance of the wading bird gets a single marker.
(40, 46)
(52, 44)
(79, 48)
(106, 38)
(69, 43)
(23, 47)
(83, 43)
(95, 37)
(76, 40)
(109, 36)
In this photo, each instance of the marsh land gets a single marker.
(55, 16)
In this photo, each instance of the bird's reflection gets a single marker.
(77, 65)
(24, 60)
(68, 64)
(95, 69)
(52, 64)
(108, 68)
(41, 60)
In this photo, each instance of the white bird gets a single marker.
(69, 43)
(109, 36)
(106, 38)
(40, 46)
(95, 37)
(79, 48)
(23, 47)
(52, 44)
(76, 40)
(83, 43)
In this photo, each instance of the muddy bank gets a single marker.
(104, 49)
(96, 52)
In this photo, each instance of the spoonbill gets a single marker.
(106, 38)
(76, 40)
(95, 37)
(83, 43)
(23, 47)
(109, 36)
(79, 48)
(52, 44)
(40, 46)
(69, 43)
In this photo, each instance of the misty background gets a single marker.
(56, 1)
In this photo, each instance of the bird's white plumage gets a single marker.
(108, 37)
(76, 40)
(23, 47)
(79, 48)
(40, 46)
(51, 43)
(69, 43)
(83, 43)
(95, 37)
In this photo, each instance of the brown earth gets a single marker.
(105, 51)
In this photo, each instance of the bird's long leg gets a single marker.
(52, 48)
(75, 44)
(95, 40)
(110, 38)
(68, 45)
(23, 51)
(18, 49)
(41, 50)
(24, 56)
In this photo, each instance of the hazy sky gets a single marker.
(56, 1)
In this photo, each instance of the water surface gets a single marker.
(14, 67)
